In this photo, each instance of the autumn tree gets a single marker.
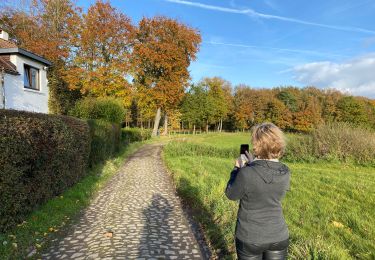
(162, 53)
(279, 114)
(242, 109)
(101, 60)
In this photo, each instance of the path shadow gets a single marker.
(157, 237)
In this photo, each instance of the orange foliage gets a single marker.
(162, 54)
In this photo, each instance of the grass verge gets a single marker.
(34, 234)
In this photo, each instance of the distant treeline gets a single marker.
(212, 104)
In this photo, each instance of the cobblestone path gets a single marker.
(136, 216)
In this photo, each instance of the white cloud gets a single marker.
(252, 13)
(356, 76)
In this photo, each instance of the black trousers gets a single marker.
(270, 251)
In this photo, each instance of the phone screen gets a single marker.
(244, 147)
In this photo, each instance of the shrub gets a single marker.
(299, 148)
(40, 156)
(342, 141)
(335, 141)
(108, 109)
(129, 135)
(105, 140)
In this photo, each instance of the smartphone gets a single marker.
(244, 148)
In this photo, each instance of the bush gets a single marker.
(129, 135)
(342, 141)
(40, 156)
(108, 109)
(330, 142)
(105, 140)
(299, 148)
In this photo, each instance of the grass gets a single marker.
(41, 226)
(329, 209)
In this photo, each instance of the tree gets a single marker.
(288, 99)
(162, 53)
(309, 114)
(196, 106)
(351, 110)
(243, 110)
(277, 113)
(219, 91)
(101, 60)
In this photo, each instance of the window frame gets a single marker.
(29, 68)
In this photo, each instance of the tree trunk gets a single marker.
(207, 126)
(165, 124)
(156, 122)
(221, 125)
(194, 129)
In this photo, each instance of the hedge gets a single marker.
(129, 135)
(105, 140)
(40, 157)
(102, 108)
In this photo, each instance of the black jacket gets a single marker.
(260, 187)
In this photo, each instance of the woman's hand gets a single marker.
(240, 162)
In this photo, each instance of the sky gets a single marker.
(271, 43)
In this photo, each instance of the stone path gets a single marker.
(136, 216)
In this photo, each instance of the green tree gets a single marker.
(220, 98)
(351, 110)
(197, 106)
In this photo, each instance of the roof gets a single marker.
(8, 47)
(4, 44)
(8, 66)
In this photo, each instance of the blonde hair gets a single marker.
(268, 141)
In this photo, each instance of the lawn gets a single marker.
(329, 210)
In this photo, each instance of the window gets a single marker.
(31, 77)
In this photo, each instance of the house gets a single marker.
(23, 78)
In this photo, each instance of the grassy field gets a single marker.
(330, 209)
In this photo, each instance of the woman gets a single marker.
(260, 185)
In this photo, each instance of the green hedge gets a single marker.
(40, 156)
(105, 140)
(104, 108)
(129, 135)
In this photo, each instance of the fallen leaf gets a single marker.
(108, 234)
(337, 224)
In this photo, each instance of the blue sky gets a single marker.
(268, 43)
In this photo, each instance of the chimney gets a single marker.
(4, 35)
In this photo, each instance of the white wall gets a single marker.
(20, 98)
